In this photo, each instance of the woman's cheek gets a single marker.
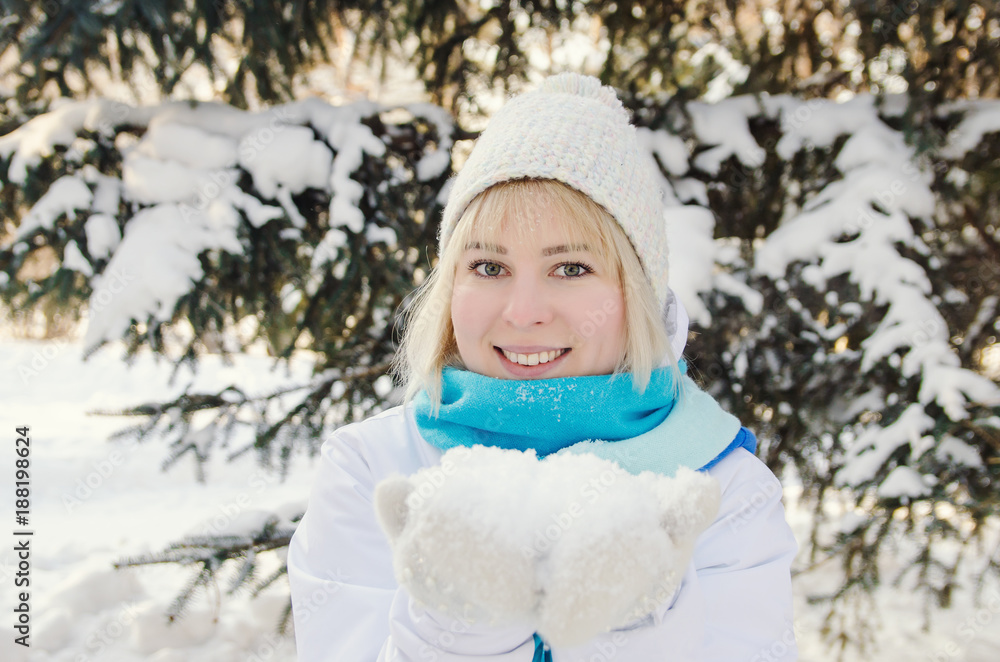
(469, 310)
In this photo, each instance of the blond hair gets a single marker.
(428, 342)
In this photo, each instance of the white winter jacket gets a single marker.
(734, 604)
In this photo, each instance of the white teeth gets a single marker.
(533, 359)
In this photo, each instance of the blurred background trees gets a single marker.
(836, 163)
(250, 53)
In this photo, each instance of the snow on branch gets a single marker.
(151, 193)
(862, 219)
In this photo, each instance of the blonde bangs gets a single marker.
(581, 220)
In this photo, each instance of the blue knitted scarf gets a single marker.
(667, 426)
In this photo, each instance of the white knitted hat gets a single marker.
(574, 130)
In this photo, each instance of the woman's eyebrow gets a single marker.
(555, 250)
(551, 250)
(489, 248)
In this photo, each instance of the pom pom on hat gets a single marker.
(574, 130)
(584, 86)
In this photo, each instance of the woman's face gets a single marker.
(539, 309)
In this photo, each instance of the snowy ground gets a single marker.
(94, 501)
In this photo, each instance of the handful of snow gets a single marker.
(571, 544)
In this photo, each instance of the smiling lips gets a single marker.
(533, 358)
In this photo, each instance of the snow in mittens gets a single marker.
(490, 530)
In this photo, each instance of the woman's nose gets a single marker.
(527, 303)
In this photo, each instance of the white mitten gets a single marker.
(573, 543)
(626, 550)
(459, 537)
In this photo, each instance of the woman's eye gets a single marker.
(491, 269)
(572, 270)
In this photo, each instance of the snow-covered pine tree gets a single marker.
(839, 261)
(192, 228)
(847, 305)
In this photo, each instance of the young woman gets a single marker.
(552, 275)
